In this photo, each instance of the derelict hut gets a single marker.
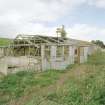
(50, 52)
(39, 53)
(81, 50)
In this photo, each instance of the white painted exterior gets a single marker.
(10, 64)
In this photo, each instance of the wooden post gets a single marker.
(13, 51)
(7, 51)
(24, 51)
(29, 51)
(42, 57)
(78, 55)
(4, 51)
(63, 50)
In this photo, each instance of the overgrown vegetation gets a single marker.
(5, 41)
(84, 85)
(15, 85)
(97, 59)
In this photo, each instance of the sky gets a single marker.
(83, 19)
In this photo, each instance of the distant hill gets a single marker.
(5, 41)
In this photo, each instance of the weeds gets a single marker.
(85, 85)
(13, 86)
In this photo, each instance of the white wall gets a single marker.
(83, 58)
(3, 66)
(59, 62)
(10, 64)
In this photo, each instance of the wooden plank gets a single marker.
(78, 55)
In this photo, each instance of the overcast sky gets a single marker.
(83, 19)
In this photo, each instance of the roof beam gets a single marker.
(43, 39)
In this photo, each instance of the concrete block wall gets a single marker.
(57, 62)
(83, 58)
(3, 66)
(25, 63)
(10, 64)
(1, 52)
(71, 54)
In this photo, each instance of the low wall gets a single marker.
(3, 66)
(15, 64)
(58, 63)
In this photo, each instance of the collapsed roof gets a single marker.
(40, 39)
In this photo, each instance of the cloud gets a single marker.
(38, 29)
(18, 16)
(28, 17)
(44, 10)
(86, 32)
(97, 3)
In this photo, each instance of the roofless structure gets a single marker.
(39, 53)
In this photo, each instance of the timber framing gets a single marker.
(40, 53)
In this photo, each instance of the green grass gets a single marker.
(4, 41)
(97, 59)
(85, 85)
(87, 89)
(15, 85)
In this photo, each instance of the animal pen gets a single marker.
(40, 53)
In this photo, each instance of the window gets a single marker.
(66, 50)
(76, 51)
(47, 51)
(59, 51)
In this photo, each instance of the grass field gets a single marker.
(4, 41)
(82, 84)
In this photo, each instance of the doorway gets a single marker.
(77, 55)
